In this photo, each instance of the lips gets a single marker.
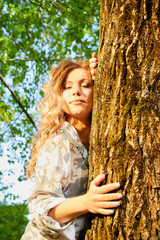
(77, 101)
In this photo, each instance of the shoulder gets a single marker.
(66, 133)
(69, 133)
(60, 147)
(65, 137)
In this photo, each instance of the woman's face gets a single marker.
(78, 94)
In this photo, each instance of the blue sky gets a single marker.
(11, 173)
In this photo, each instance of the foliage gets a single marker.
(34, 35)
(13, 221)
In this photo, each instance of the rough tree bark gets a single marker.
(125, 136)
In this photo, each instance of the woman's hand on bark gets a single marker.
(100, 199)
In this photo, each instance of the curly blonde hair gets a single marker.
(51, 107)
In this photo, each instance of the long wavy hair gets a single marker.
(50, 107)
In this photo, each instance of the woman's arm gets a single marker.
(97, 200)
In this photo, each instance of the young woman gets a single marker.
(60, 158)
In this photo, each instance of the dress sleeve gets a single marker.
(52, 172)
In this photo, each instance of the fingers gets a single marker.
(93, 74)
(110, 197)
(108, 205)
(102, 199)
(106, 211)
(105, 188)
(92, 69)
(108, 188)
(98, 180)
(93, 64)
(94, 55)
(93, 60)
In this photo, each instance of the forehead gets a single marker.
(79, 74)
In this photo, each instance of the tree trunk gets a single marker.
(125, 136)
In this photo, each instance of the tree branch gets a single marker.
(25, 60)
(37, 60)
(6, 131)
(40, 6)
(18, 101)
(62, 8)
(70, 12)
(93, 8)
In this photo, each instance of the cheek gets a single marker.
(66, 100)
(90, 97)
(65, 95)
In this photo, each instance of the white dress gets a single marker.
(61, 172)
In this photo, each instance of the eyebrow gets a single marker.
(81, 80)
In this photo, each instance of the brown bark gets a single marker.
(125, 138)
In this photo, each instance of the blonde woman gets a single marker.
(60, 158)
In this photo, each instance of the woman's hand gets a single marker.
(99, 199)
(93, 65)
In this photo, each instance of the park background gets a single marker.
(34, 36)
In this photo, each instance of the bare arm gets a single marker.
(97, 200)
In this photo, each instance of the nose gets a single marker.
(76, 91)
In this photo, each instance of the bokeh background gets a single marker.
(34, 36)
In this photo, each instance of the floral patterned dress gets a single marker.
(61, 172)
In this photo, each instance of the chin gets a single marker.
(80, 116)
(79, 113)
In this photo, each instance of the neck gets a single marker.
(83, 128)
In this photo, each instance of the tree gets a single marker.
(125, 138)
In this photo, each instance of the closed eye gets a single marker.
(85, 84)
(67, 86)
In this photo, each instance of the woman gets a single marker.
(60, 158)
